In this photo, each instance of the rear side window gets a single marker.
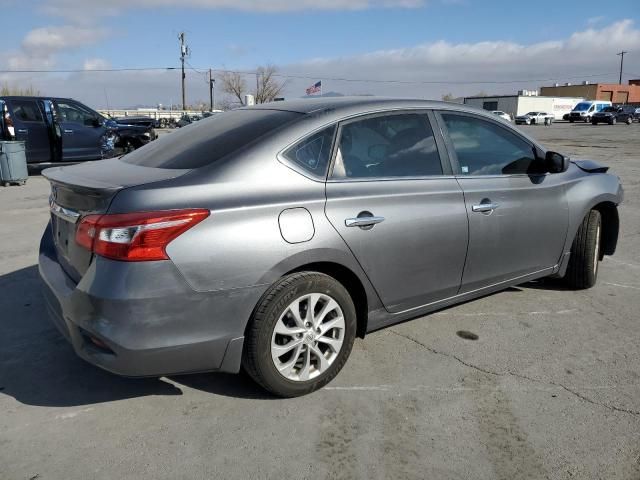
(26, 111)
(209, 140)
(313, 153)
(485, 148)
(393, 145)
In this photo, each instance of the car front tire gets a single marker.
(300, 335)
(582, 270)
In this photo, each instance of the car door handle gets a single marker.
(68, 131)
(484, 207)
(363, 221)
(23, 130)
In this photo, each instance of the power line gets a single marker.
(313, 76)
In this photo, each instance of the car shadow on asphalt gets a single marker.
(39, 367)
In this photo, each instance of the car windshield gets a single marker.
(209, 140)
(581, 107)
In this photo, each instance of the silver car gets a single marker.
(535, 118)
(270, 237)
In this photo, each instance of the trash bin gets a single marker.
(13, 163)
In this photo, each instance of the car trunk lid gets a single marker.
(89, 189)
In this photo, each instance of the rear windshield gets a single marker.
(208, 140)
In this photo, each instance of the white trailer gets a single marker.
(516, 105)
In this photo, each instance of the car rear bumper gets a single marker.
(143, 319)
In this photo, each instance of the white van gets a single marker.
(583, 111)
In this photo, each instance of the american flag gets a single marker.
(315, 88)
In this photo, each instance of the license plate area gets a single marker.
(63, 234)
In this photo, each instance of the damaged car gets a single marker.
(62, 130)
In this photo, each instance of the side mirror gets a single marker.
(555, 162)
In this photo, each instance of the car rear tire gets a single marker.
(582, 270)
(587, 119)
(300, 335)
(629, 121)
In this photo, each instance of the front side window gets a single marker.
(26, 111)
(73, 112)
(485, 148)
(313, 153)
(395, 145)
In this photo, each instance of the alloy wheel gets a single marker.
(307, 337)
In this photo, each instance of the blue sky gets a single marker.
(335, 38)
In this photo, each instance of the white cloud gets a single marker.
(581, 54)
(573, 58)
(96, 64)
(49, 40)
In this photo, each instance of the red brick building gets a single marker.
(614, 92)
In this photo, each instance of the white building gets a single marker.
(525, 101)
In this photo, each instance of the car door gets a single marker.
(81, 136)
(393, 199)
(30, 127)
(518, 215)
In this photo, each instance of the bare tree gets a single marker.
(267, 89)
(447, 97)
(234, 84)
(30, 91)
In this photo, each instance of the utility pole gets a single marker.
(212, 86)
(621, 62)
(184, 52)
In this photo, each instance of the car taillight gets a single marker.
(136, 237)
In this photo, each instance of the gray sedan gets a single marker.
(270, 237)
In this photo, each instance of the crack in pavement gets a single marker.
(518, 375)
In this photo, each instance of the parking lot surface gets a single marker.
(550, 389)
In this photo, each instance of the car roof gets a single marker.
(31, 97)
(340, 104)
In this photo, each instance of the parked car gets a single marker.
(143, 120)
(612, 115)
(63, 130)
(584, 111)
(272, 237)
(533, 118)
(503, 115)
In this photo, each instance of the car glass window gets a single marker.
(485, 148)
(398, 145)
(26, 111)
(313, 153)
(73, 112)
(211, 139)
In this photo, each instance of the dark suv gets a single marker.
(613, 115)
(63, 130)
